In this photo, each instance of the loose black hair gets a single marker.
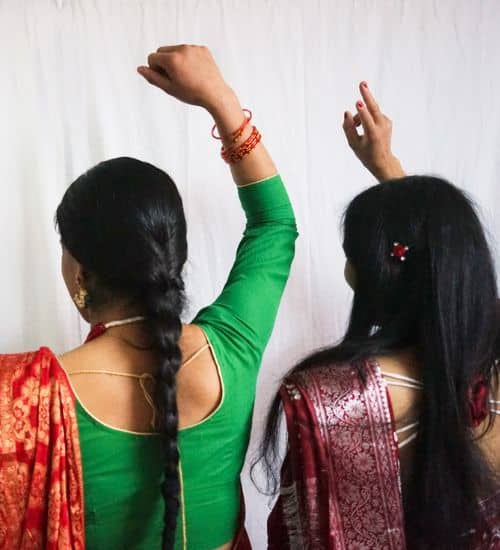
(123, 221)
(442, 302)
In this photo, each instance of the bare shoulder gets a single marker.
(192, 339)
(199, 383)
(75, 358)
(403, 395)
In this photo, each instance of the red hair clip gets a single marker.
(399, 251)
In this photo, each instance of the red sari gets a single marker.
(340, 482)
(41, 487)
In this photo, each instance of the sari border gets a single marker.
(355, 422)
(321, 416)
(386, 429)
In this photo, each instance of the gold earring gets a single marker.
(81, 298)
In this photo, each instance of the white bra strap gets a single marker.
(403, 378)
(493, 409)
(407, 427)
(403, 385)
(407, 440)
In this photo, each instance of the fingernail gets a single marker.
(364, 84)
(359, 104)
(345, 115)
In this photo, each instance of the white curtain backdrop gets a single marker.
(70, 97)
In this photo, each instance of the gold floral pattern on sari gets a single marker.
(41, 488)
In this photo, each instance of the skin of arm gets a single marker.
(190, 74)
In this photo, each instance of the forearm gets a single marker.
(228, 116)
(388, 170)
(190, 74)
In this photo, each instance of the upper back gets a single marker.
(406, 402)
(124, 469)
(120, 401)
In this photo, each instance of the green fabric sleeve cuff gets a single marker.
(266, 201)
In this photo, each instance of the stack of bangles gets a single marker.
(235, 151)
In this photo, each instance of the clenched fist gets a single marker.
(188, 73)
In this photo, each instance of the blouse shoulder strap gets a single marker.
(195, 355)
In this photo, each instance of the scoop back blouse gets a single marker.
(122, 471)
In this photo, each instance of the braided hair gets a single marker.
(123, 221)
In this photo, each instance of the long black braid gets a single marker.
(123, 220)
(163, 308)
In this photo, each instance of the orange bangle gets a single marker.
(237, 133)
(233, 155)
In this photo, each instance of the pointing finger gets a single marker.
(370, 102)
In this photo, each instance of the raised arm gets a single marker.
(190, 74)
(242, 317)
(373, 146)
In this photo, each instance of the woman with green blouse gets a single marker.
(136, 439)
(133, 480)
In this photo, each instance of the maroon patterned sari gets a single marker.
(340, 482)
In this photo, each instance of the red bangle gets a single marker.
(237, 133)
(233, 155)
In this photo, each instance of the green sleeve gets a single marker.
(242, 317)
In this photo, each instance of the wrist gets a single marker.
(228, 116)
(223, 103)
(391, 169)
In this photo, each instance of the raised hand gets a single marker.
(188, 73)
(373, 146)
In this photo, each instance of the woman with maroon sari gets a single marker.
(392, 442)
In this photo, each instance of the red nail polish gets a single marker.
(364, 84)
(359, 104)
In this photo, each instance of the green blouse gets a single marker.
(122, 471)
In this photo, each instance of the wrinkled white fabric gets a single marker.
(70, 97)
